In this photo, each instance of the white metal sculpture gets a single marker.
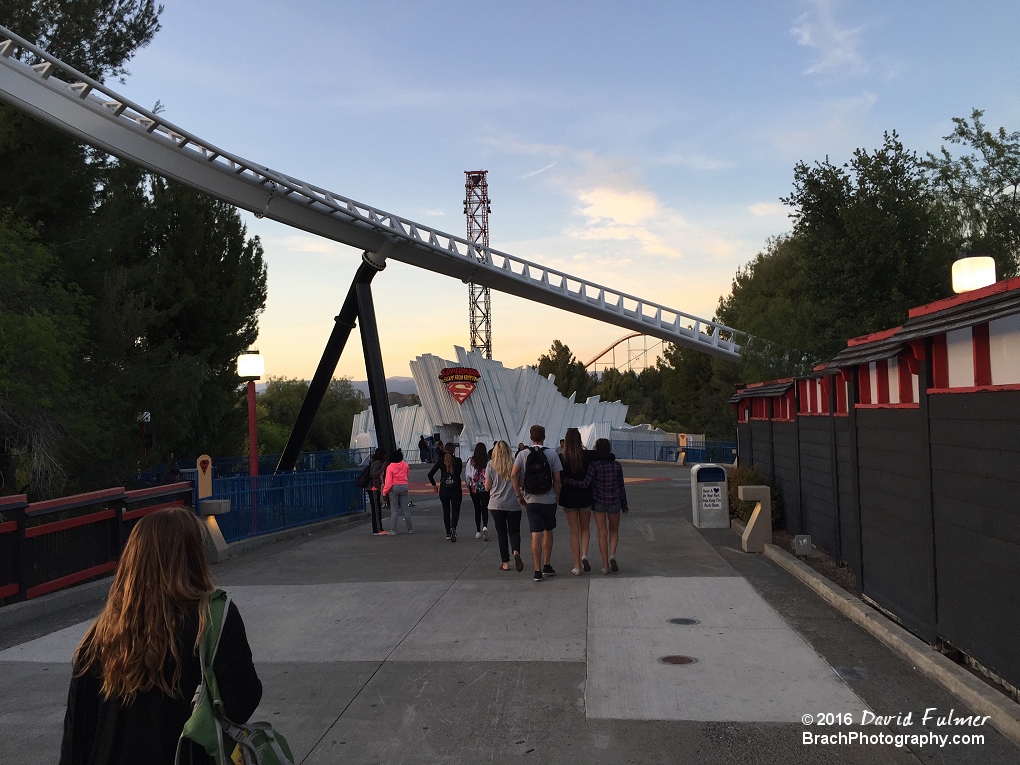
(60, 96)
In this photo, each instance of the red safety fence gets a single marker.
(53, 544)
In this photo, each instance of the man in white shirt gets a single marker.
(539, 499)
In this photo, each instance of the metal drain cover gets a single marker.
(678, 660)
(682, 620)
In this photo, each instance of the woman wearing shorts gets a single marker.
(576, 500)
(609, 500)
(503, 504)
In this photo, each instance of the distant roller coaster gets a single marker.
(634, 359)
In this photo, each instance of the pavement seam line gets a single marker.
(1003, 713)
(387, 658)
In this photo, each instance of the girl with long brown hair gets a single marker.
(475, 475)
(576, 500)
(136, 670)
(450, 488)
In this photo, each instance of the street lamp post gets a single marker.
(250, 367)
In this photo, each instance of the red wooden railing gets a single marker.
(41, 556)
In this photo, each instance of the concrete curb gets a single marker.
(1003, 713)
(253, 543)
(27, 610)
(96, 592)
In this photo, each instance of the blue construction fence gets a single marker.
(269, 503)
(713, 451)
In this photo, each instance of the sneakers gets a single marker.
(612, 565)
(518, 563)
(585, 565)
(447, 534)
(548, 570)
(453, 535)
(485, 533)
(605, 570)
(538, 576)
(575, 571)
(391, 533)
(378, 533)
(410, 530)
(478, 535)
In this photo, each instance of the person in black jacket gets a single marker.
(376, 472)
(136, 670)
(576, 500)
(450, 488)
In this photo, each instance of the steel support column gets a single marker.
(372, 263)
(374, 366)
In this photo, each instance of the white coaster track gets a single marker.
(58, 95)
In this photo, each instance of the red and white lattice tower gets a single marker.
(476, 208)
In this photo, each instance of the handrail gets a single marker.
(147, 139)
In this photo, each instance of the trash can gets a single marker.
(710, 499)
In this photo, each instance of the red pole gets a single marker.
(253, 446)
(253, 456)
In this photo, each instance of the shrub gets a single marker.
(749, 476)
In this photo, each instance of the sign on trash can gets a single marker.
(710, 500)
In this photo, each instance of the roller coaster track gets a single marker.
(57, 95)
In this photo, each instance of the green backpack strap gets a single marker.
(203, 727)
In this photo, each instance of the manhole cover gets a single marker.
(681, 620)
(677, 660)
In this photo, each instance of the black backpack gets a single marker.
(364, 477)
(537, 473)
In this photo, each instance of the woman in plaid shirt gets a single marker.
(609, 500)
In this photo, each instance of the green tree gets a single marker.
(42, 411)
(981, 187)
(171, 285)
(769, 302)
(571, 376)
(280, 403)
(874, 239)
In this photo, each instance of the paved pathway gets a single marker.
(411, 649)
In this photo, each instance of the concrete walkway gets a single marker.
(410, 649)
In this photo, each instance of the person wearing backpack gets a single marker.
(476, 488)
(376, 472)
(536, 479)
(135, 672)
(450, 490)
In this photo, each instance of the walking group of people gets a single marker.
(538, 481)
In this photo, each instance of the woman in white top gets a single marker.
(503, 504)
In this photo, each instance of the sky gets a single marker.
(642, 145)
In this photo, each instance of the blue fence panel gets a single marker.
(271, 503)
(714, 451)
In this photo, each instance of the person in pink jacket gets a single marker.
(395, 485)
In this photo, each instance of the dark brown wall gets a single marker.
(744, 453)
(817, 505)
(975, 460)
(786, 458)
(896, 528)
(761, 447)
(849, 523)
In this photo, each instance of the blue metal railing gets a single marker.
(714, 451)
(271, 503)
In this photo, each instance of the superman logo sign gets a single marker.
(460, 381)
